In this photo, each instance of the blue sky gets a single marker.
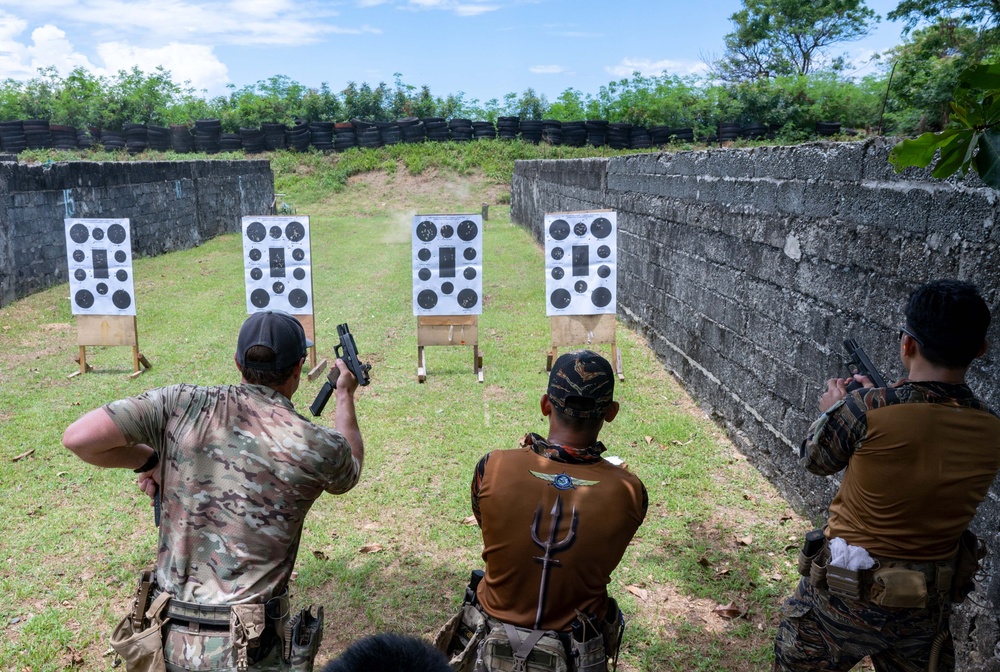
(485, 48)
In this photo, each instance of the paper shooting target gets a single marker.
(581, 252)
(277, 264)
(448, 265)
(99, 258)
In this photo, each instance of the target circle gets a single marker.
(426, 231)
(580, 229)
(424, 254)
(80, 274)
(469, 273)
(467, 298)
(580, 286)
(121, 275)
(278, 287)
(256, 232)
(559, 229)
(295, 231)
(298, 254)
(558, 253)
(469, 253)
(560, 298)
(102, 288)
(256, 273)
(120, 257)
(427, 299)
(468, 230)
(78, 256)
(116, 234)
(275, 231)
(604, 251)
(298, 298)
(299, 274)
(601, 297)
(260, 298)
(121, 299)
(84, 298)
(601, 228)
(558, 273)
(98, 234)
(255, 254)
(79, 233)
(447, 288)
(424, 274)
(604, 271)
(447, 231)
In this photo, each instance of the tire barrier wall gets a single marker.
(172, 205)
(746, 268)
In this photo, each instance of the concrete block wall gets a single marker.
(746, 269)
(171, 205)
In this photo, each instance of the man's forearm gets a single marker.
(345, 421)
(96, 439)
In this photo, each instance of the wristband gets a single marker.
(150, 463)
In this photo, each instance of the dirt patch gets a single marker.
(404, 191)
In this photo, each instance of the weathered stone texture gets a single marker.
(172, 205)
(746, 268)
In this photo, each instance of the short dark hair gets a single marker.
(270, 378)
(950, 320)
(389, 652)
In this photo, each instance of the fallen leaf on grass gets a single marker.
(704, 562)
(470, 520)
(649, 440)
(73, 657)
(641, 593)
(728, 611)
(320, 555)
(722, 572)
(370, 548)
(745, 541)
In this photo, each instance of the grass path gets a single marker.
(74, 537)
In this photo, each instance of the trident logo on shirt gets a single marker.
(550, 546)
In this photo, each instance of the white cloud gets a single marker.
(50, 47)
(186, 62)
(468, 8)
(547, 69)
(647, 67)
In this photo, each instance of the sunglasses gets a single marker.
(904, 330)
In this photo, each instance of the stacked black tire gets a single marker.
(63, 137)
(207, 134)
(12, 136)
(112, 141)
(659, 135)
(729, 131)
(391, 133)
(437, 129)
(827, 128)
(37, 134)
(682, 134)
(619, 136)
(252, 140)
(136, 138)
(158, 138)
(640, 138)
(230, 142)
(369, 136)
(552, 131)
(531, 131)
(321, 133)
(597, 132)
(84, 139)
(181, 139)
(298, 136)
(484, 130)
(461, 130)
(344, 136)
(574, 133)
(413, 129)
(508, 127)
(274, 136)
(754, 131)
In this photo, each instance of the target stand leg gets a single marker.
(616, 354)
(551, 358)
(82, 360)
(139, 359)
(421, 365)
(318, 369)
(477, 362)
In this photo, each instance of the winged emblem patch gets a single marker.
(562, 481)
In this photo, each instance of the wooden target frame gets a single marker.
(585, 330)
(461, 330)
(308, 323)
(109, 330)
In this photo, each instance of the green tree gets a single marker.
(983, 13)
(785, 37)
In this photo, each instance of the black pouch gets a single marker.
(970, 552)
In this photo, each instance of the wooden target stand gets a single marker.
(448, 330)
(111, 330)
(308, 323)
(584, 330)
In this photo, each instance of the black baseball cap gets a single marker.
(277, 330)
(581, 384)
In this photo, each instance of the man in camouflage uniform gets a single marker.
(237, 470)
(917, 458)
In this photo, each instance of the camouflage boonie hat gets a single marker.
(582, 384)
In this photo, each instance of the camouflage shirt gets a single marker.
(239, 471)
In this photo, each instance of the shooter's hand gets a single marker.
(346, 382)
(836, 389)
(149, 482)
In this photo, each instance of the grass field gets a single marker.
(701, 584)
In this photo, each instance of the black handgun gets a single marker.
(860, 364)
(348, 352)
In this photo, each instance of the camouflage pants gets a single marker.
(820, 632)
(211, 651)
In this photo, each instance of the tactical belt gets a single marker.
(215, 616)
